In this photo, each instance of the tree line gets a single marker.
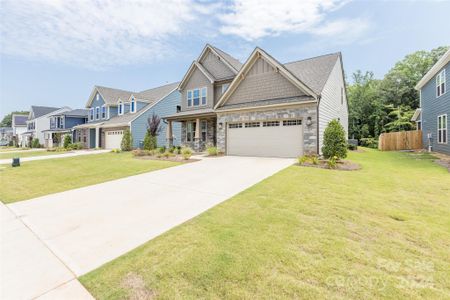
(386, 105)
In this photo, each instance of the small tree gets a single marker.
(334, 142)
(149, 141)
(153, 129)
(35, 143)
(127, 141)
(67, 141)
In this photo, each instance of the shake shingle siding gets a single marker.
(333, 103)
(165, 107)
(432, 107)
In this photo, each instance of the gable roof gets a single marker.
(314, 72)
(256, 54)
(39, 111)
(154, 94)
(109, 95)
(235, 64)
(445, 59)
(76, 113)
(19, 120)
(191, 69)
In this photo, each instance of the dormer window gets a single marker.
(440, 83)
(121, 108)
(133, 105)
(97, 97)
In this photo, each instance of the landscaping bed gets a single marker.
(341, 165)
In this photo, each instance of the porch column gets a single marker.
(169, 134)
(97, 137)
(197, 129)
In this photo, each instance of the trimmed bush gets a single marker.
(334, 142)
(35, 143)
(212, 151)
(150, 141)
(369, 142)
(67, 141)
(186, 152)
(332, 162)
(127, 141)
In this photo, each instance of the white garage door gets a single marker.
(113, 139)
(278, 138)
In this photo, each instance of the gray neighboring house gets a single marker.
(262, 107)
(432, 116)
(19, 126)
(61, 124)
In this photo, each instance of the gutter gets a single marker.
(318, 124)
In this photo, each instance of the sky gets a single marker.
(53, 52)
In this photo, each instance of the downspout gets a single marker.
(317, 113)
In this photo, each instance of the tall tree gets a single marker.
(397, 86)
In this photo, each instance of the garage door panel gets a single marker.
(113, 139)
(276, 141)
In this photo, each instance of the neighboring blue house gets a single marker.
(61, 124)
(112, 111)
(432, 116)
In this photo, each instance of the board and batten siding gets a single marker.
(165, 107)
(331, 105)
(432, 107)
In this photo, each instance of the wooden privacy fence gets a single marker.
(403, 140)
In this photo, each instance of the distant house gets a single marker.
(19, 126)
(61, 124)
(5, 136)
(432, 116)
(38, 122)
(112, 111)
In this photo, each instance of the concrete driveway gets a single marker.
(87, 227)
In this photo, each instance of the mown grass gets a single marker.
(381, 232)
(29, 153)
(38, 178)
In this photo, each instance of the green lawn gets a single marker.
(37, 178)
(29, 153)
(381, 232)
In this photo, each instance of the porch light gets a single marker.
(220, 126)
(308, 121)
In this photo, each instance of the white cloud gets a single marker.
(95, 33)
(254, 19)
(343, 31)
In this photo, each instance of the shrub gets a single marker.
(352, 147)
(369, 142)
(116, 150)
(186, 152)
(150, 141)
(127, 140)
(334, 142)
(332, 162)
(35, 143)
(162, 149)
(303, 159)
(77, 146)
(60, 149)
(212, 151)
(314, 160)
(67, 141)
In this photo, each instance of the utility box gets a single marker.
(15, 162)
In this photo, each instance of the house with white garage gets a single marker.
(112, 111)
(38, 123)
(262, 107)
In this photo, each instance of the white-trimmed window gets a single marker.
(442, 129)
(97, 97)
(440, 84)
(103, 112)
(120, 108)
(97, 113)
(190, 131)
(204, 129)
(197, 97)
(133, 105)
(91, 114)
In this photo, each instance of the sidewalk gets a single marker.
(71, 154)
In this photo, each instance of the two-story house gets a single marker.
(19, 126)
(112, 111)
(37, 123)
(432, 116)
(61, 124)
(261, 107)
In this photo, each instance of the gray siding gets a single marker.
(165, 107)
(112, 111)
(140, 105)
(331, 105)
(263, 83)
(73, 121)
(197, 80)
(215, 66)
(432, 107)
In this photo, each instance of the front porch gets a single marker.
(55, 138)
(197, 131)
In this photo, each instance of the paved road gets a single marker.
(87, 227)
(50, 156)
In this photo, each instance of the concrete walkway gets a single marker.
(53, 156)
(90, 226)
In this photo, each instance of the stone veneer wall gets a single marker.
(199, 146)
(301, 112)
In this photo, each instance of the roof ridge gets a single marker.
(176, 82)
(314, 57)
(106, 87)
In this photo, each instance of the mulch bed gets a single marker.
(342, 165)
(173, 158)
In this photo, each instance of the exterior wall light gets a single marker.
(220, 126)
(308, 121)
